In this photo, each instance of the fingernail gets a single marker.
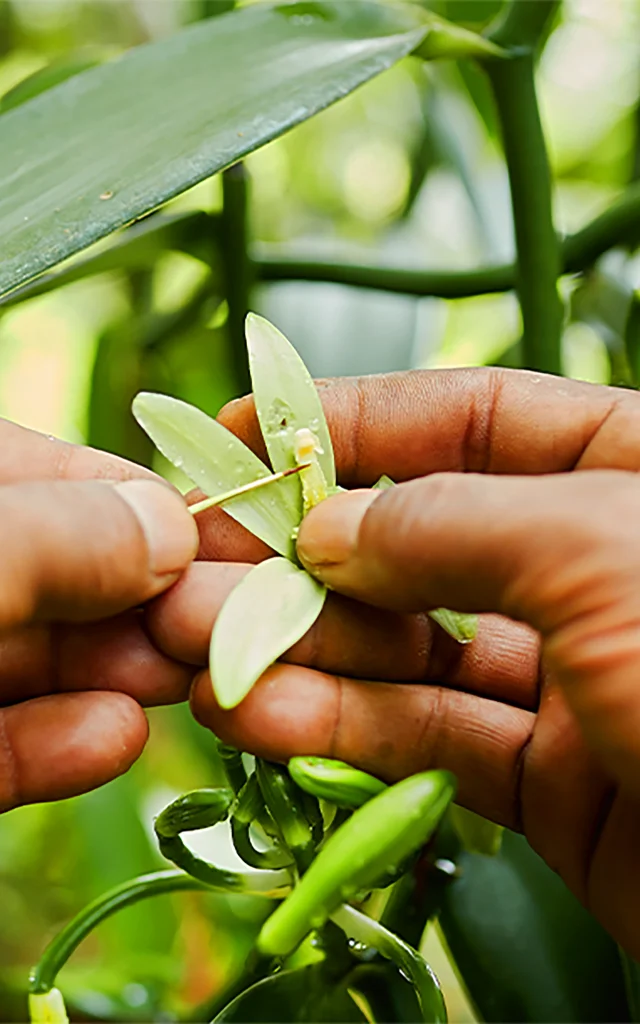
(329, 534)
(171, 534)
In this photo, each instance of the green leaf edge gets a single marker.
(274, 361)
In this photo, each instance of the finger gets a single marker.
(82, 741)
(482, 420)
(115, 654)
(81, 551)
(389, 730)
(565, 793)
(358, 640)
(613, 883)
(222, 538)
(118, 654)
(28, 455)
(542, 551)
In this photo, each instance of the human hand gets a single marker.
(539, 718)
(77, 557)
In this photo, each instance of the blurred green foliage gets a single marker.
(407, 171)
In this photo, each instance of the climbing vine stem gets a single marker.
(538, 259)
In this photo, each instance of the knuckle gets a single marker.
(584, 561)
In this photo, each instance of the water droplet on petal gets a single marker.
(280, 419)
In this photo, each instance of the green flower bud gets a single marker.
(335, 781)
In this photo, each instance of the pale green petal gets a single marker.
(272, 607)
(462, 626)
(286, 399)
(384, 483)
(217, 461)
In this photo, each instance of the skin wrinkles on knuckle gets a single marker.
(610, 444)
(429, 736)
(334, 746)
(594, 651)
(357, 427)
(600, 683)
(343, 402)
(565, 564)
(478, 439)
(519, 779)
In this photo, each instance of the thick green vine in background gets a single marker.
(538, 263)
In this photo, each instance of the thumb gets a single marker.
(560, 552)
(81, 551)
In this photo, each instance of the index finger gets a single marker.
(485, 420)
(28, 455)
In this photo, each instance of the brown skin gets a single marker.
(77, 556)
(540, 717)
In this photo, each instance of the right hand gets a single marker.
(539, 718)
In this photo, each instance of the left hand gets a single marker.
(77, 559)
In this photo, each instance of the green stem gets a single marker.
(237, 268)
(284, 802)
(445, 284)
(523, 24)
(232, 763)
(262, 859)
(538, 265)
(618, 225)
(364, 929)
(65, 942)
(272, 884)
(521, 29)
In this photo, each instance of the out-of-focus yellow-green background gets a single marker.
(406, 170)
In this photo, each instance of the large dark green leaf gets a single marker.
(389, 997)
(136, 248)
(631, 971)
(45, 78)
(526, 949)
(116, 141)
(306, 994)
